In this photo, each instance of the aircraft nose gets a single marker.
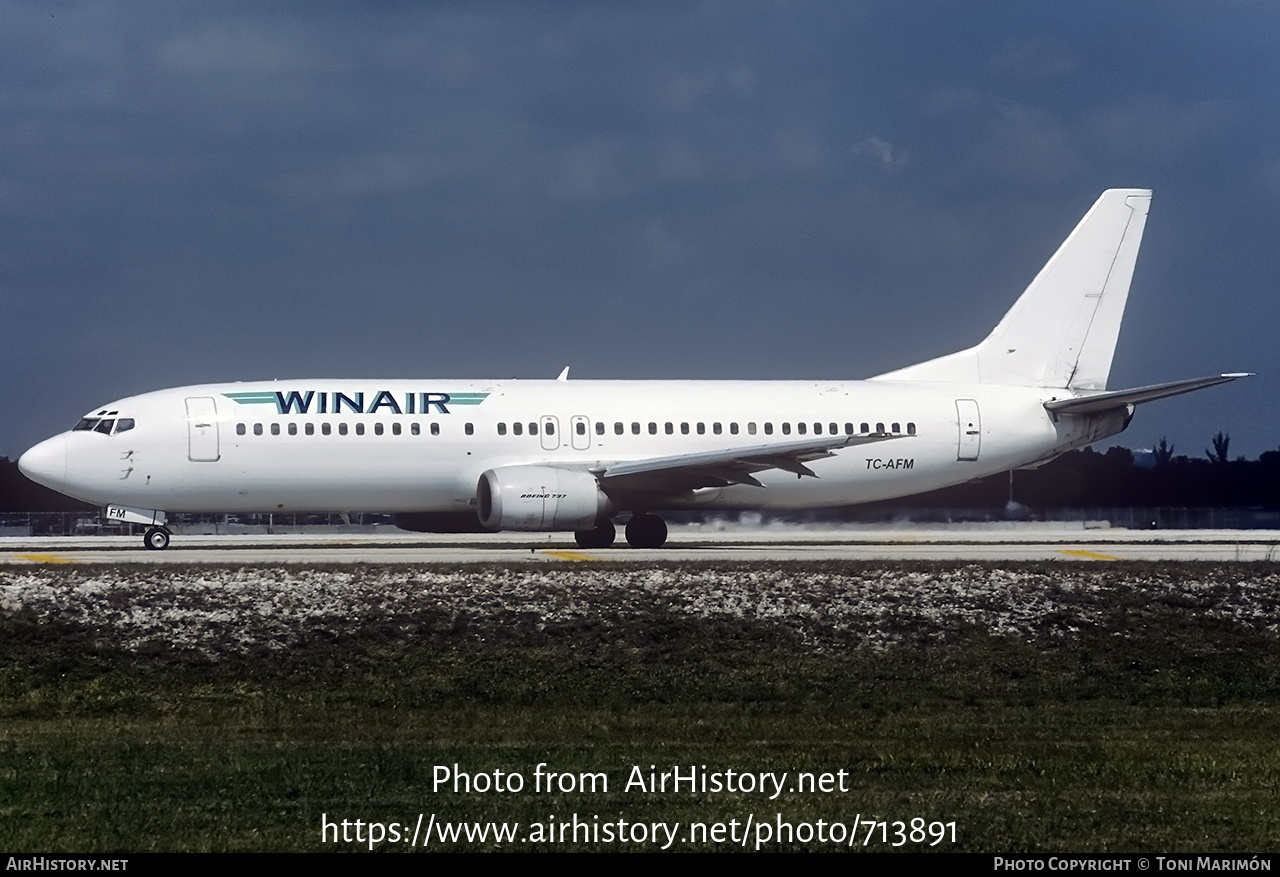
(46, 463)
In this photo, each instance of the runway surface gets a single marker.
(1034, 542)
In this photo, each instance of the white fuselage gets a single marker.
(394, 446)
(570, 455)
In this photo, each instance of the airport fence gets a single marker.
(1135, 518)
(89, 524)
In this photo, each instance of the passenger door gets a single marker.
(202, 430)
(969, 422)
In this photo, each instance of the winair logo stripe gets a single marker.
(252, 398)
(320, 402)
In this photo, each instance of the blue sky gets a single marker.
(238, 191)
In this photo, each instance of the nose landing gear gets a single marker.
(156, 538)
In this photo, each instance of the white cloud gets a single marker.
(881, 151)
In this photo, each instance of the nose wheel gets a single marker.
(156, 538)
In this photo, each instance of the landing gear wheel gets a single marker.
(646, 531)
(599, 536)
(156, 538)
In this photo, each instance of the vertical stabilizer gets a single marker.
(1062, 331)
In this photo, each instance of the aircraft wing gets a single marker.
(1109, 400)
(681, 472)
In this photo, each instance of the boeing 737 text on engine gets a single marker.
(457, 456)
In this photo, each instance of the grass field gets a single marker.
(1048, 707)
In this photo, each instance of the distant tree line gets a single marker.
(19, 494)
(1076, 479)
(1113, 479)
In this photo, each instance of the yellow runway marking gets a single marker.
(1093, 554)
(44, 558)
(567, 555)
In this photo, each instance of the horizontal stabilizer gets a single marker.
(1119, 398)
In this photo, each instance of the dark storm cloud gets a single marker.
(192, 193)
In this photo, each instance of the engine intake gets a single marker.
(539, 498)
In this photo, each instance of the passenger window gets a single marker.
(879, 427)
(502, 429)
(533, 429)
(309, 428)
(435, 429)
(635, 428)
(733, 428)
(848, 429)
(668, 429)
(832, 429)
(702, 428)
(684, 428)
(897, 429)
(415, 429)
(580, 428)
(865, 427)
(911, 429)
(469, 429)
(275, 429)
(768, 429)
(359, 429)
(240, 430)
(801, 428)
(326, 428)
(599, 427)
(124, 424)
(517, 429)
(342, 429)
(257, 429)
(617, 428)
(751, 428)
(293, 429)
(395, 429)
(786, 429)
(653, 428)
(715, 428)
(377, 429)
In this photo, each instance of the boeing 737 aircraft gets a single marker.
(466, 455)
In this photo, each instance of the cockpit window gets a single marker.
(124, 424)
(86, 424)
(104, 426)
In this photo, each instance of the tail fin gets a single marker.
(1062, 331)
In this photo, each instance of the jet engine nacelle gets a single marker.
(539, 498)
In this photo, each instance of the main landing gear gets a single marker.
(599, 536)
(646, 531)
(156, 538)
(643, 531)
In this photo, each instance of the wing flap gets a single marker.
(723, 468)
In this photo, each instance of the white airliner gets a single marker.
(465, 455)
